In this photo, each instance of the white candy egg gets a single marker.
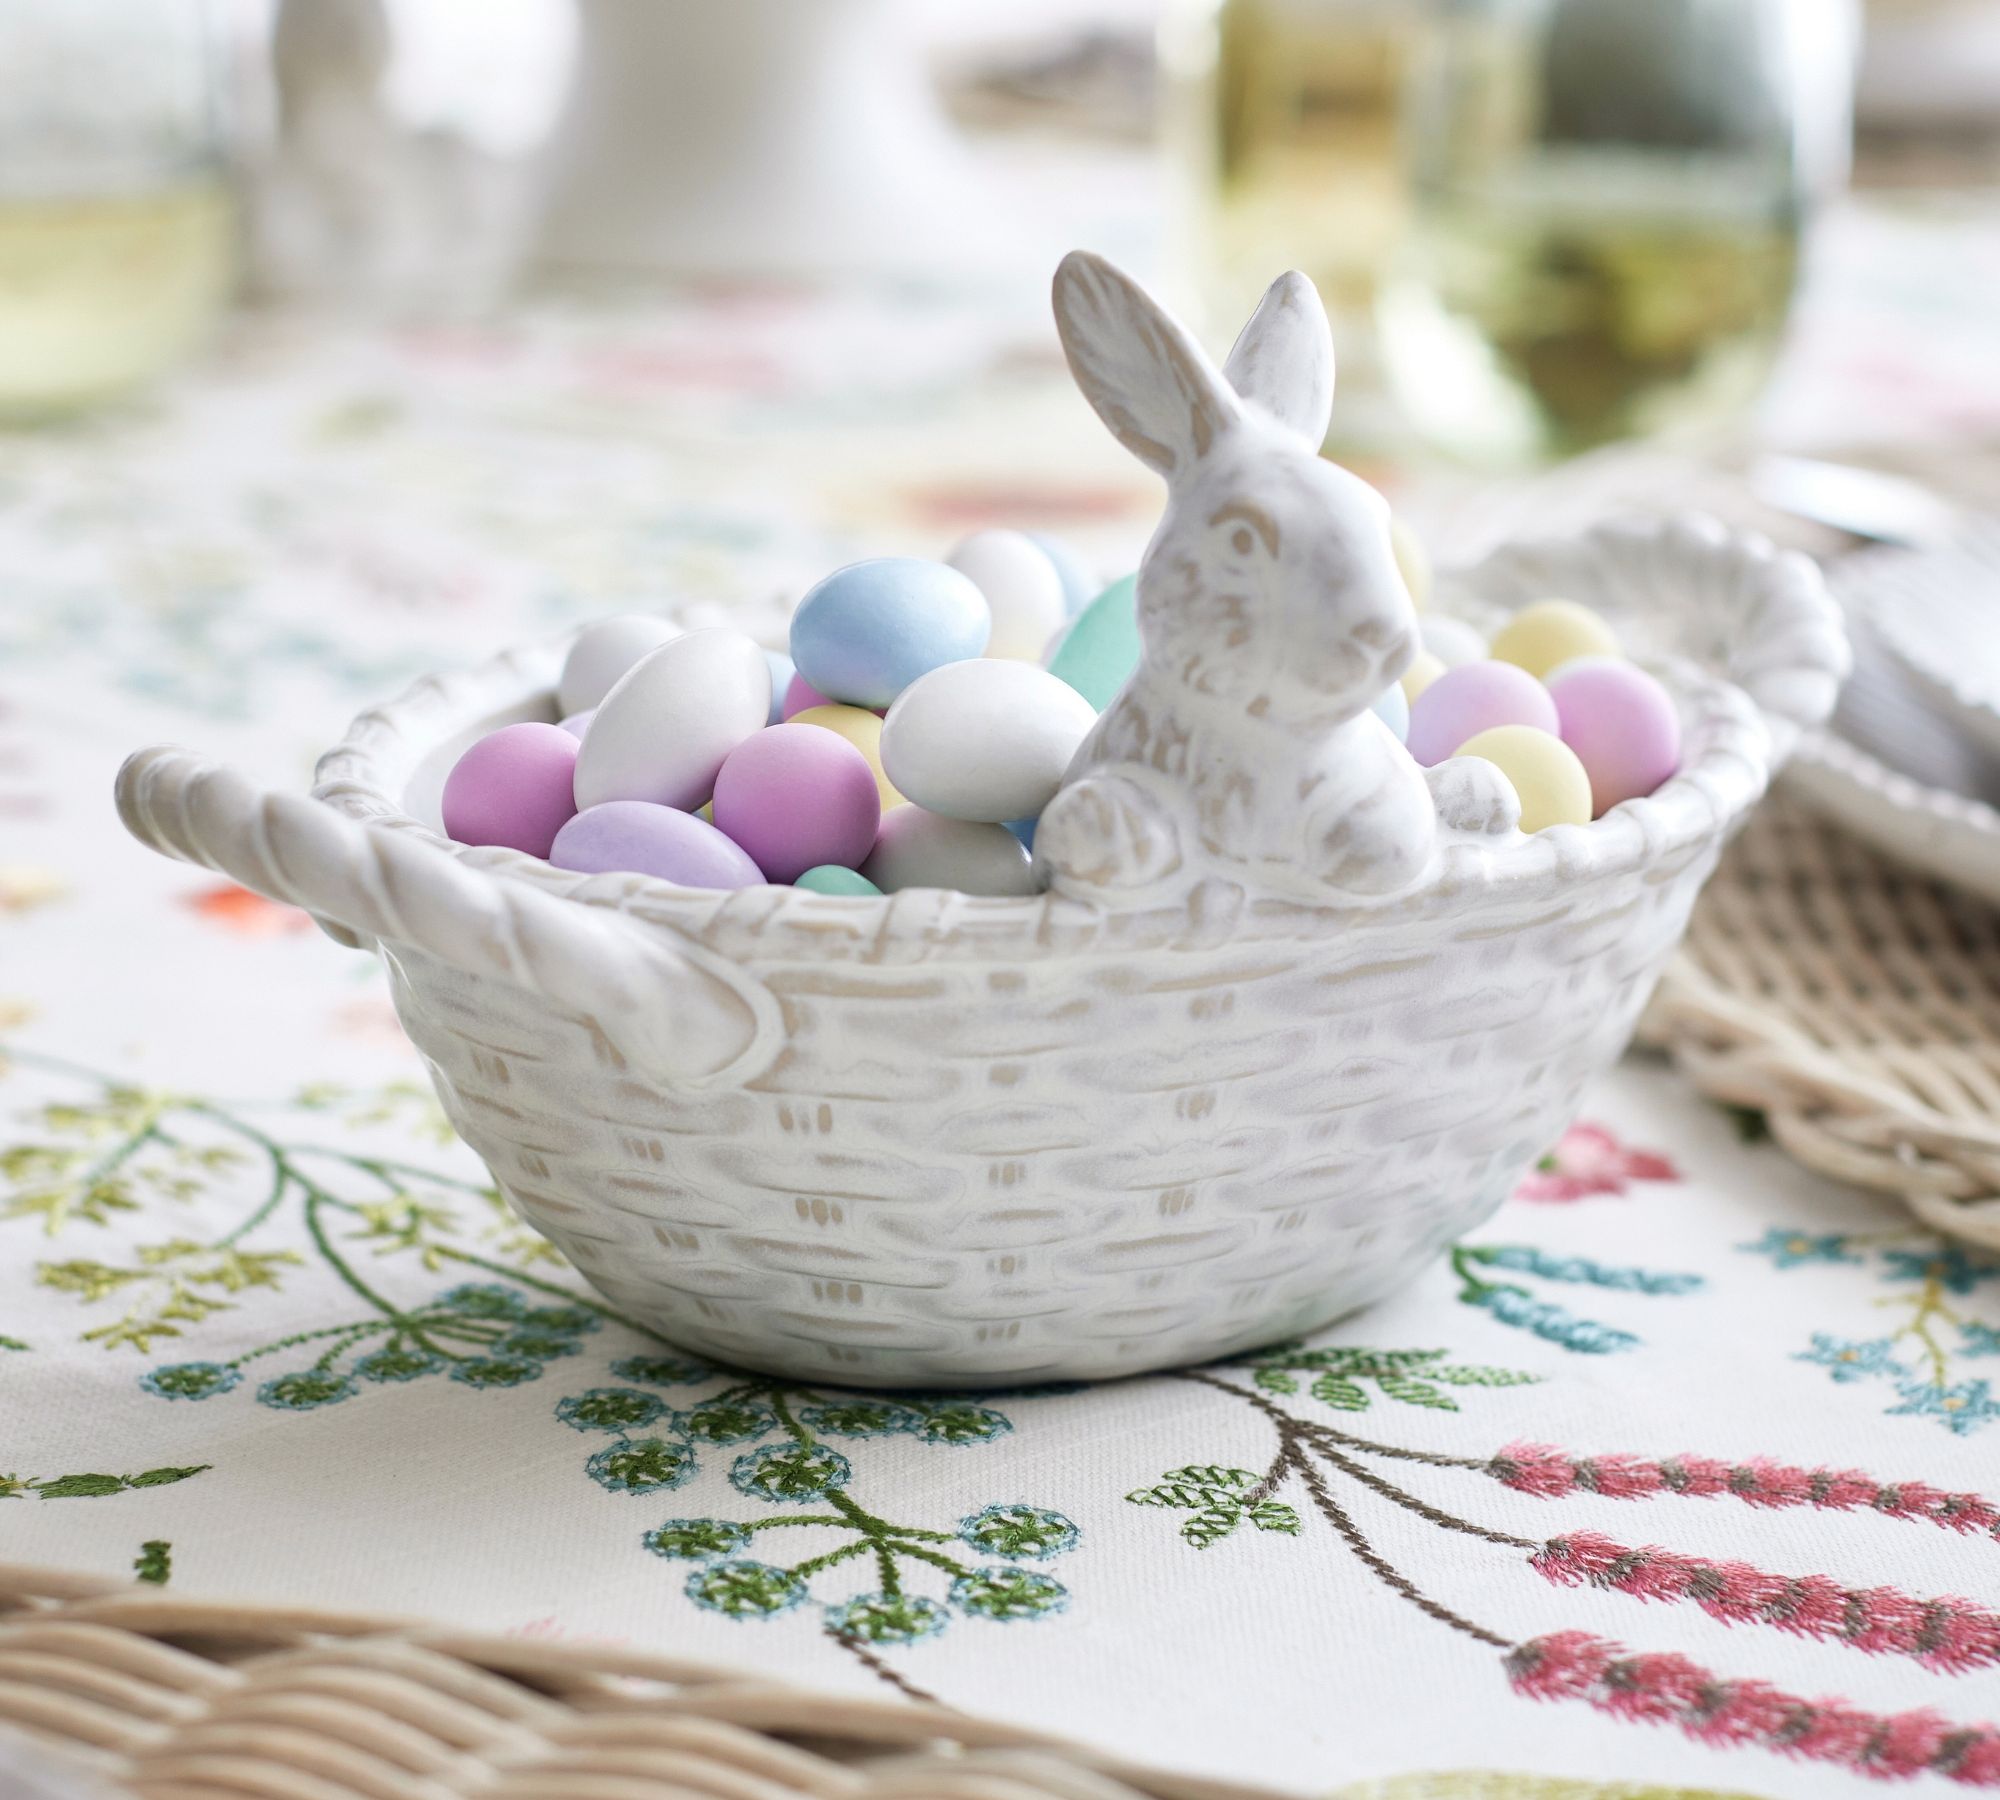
(1023, 587)
(602, 653)
(664, 729)
(925, 849)
(1451, 641)
(984, 740)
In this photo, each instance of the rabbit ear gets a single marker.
(1147, 379)
(1282, 360)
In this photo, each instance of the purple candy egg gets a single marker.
(802, 694)
(513, 787)
(1475, 697)
(635, 837)
(798, 797)
(578, 723)
(1622, 725)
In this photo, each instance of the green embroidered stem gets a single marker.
(814, 1564)
(796, 1519)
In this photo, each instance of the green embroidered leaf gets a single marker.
(153, 1478)
(155, 1562)
(8, 1343)
(1211, 1475)
(1473, 1375)
(1413, 1392)
(1275, 1515)
(78, 1487)
(1211, 1525)
(12, 1487)
(1186, 1498)
(1337, 1390)
(1276, 1381)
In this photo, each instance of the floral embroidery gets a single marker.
(1946, 1635)
(238, 910)
(1338, 1370)
(154, 1564)
(1587, 1162)
(776, 1431)
(1514, 1303)
(93, 1487)
(1919, 1359)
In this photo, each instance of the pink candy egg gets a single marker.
(802, 694)
(513, 787)
(635, 837)
(797, 797)
(1475, 697)
(1622, 725)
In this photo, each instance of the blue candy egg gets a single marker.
(1024, 829)
(867, 631)
(1080, 587)
(781, 680)
(1392, 707)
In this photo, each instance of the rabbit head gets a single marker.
(1271, 584)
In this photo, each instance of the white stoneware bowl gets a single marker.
(937, 1140)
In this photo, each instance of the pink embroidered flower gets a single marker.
(1587, 1161)
(238, 910)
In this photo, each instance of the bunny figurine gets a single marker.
(1271, 614)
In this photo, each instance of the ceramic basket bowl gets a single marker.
(937, 1140)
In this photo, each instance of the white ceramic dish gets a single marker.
(1212, 1093)
(1937, 612)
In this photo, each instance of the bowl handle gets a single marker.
(672, 1008)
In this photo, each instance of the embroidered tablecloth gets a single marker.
(1685, 1471)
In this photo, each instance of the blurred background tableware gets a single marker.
(116, 225)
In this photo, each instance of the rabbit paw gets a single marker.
(1474, 797)
(1106, 833)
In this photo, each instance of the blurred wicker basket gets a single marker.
(162, 1698)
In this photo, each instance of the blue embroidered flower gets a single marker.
(496, 1371)
(960, 1423)
(304, 1389)
(663, 1371)
(745, 1590)
(726, 1421)
(1017, 1531)
(1009, 1594)
(1947, 1265)
(484, 1300)
(397, 1362)
(696, 1540)
(565, 1321)
(781, 1472)
(642, 1465)
(1514, 1306)
(1528, 1260)
(1788, 1249)
(1853, 1360)
(610, 1409)
(536, 1346)
(887, 1618)
(1978, 1340)
(1963, 1408)
(190, 1381)
(855, 1418)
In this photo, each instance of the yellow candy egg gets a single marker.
(1423, 670)
(1414, 562)
(862, 729)
(1539, 637)
(1553, 787)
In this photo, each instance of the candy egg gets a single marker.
(862, 729)
(1024, 829)
(662, 732)
(796, 797)
(1392, 707)
(1423, 670)
(1078, 584)
(782, 677)
(1473, 698)
(915, 848)
(1539, 637)
(987, 740)
(1101, 649)
(603, 652)
(513, 787)
(634, 837)
(800, 694)
(578, 723)
(831, 879)
(867, 631)
(1450, 640)
(1622, 725)
(1545, 772)
(1413, 561)
(1023, 589)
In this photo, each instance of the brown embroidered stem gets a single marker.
(1435, 1515)
(882, 1671)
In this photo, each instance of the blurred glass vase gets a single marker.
(116, 231)
(1606, 204)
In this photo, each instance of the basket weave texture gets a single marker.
(161, 1698)
(1856, 1005)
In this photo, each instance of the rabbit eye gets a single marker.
(1241, 540)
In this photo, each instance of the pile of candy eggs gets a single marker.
(1552, 702)
(909, 738)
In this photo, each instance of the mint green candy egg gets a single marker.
(831, 878)
(1099, 652)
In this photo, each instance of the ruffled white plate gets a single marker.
(1938, 614)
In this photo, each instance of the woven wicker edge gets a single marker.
(898, 1739)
